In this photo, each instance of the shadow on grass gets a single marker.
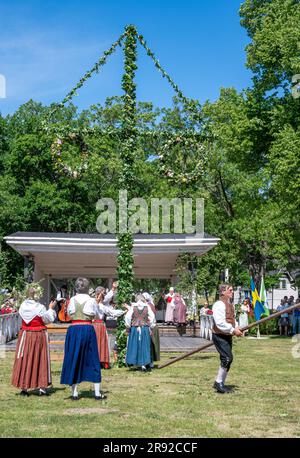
(50, 391)
(90, 394)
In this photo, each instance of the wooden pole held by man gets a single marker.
(210, 344)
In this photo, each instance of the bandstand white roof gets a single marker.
(68, 255)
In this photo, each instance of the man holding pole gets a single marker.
(225, 326)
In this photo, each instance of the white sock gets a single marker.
(75, 390)
(225, 373)
(97, 389)
(222, 374)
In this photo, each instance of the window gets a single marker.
(283, 284)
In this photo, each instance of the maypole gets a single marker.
(126, 182)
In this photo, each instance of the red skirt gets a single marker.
(32, 361)
(102, 340)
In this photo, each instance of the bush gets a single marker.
(268, 328)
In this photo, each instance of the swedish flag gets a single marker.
(256, 301)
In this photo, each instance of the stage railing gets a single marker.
(206, 324)
(10, 324)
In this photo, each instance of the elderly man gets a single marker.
(225, 326)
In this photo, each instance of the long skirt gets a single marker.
(243, 320)
(180, 314)
(155, 344)
(139, 346)
(32, 361)
(102, 341)
(169, 317)
(81, 360)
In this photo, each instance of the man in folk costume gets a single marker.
(81, 359)
(32, 361)
(139, 320)
(155, 340)
(225, 326)
(99, 325)
(169, 317)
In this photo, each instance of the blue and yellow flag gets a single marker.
(263, 297)
(256, 302)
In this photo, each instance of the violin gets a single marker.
(63, 313)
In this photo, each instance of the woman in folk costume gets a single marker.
(99, 325)
(225, 326)
(169, 317)
(109, 299)
(179, 310)
(81, 360)
(32, 361)
(155, 340)
(243, 318)
(139, 320)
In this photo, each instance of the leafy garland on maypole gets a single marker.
(188, 141)
(126, 181)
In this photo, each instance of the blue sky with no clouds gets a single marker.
(46, 46)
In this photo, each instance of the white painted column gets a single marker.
(39, 276)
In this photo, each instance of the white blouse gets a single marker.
(219, 316)
(30, 308)
(89, 307)
(104, 310)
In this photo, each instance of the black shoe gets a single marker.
(24, 393)
(101, 397)
(43, 393)
(74, 398)
(220, 387)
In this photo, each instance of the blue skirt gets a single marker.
(139, 347)
(81, 360)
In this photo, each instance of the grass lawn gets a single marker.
(177, 401)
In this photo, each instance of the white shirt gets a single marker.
(219, 316)
(102, 310)
(108, 297)
(140, 305)
(30, 308)
(172, 301)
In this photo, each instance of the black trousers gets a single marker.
(223, 344)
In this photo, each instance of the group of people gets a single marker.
(289, 323)
(176, 309)
(8, 305)
(86, 346)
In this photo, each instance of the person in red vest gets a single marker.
(32, 360)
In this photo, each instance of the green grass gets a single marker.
(177, 401)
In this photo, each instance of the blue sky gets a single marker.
(46, 46)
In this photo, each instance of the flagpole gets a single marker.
(245, 328)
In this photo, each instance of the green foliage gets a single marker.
(126, 181)
(274, 29)
(268, 328)
(249, 140)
